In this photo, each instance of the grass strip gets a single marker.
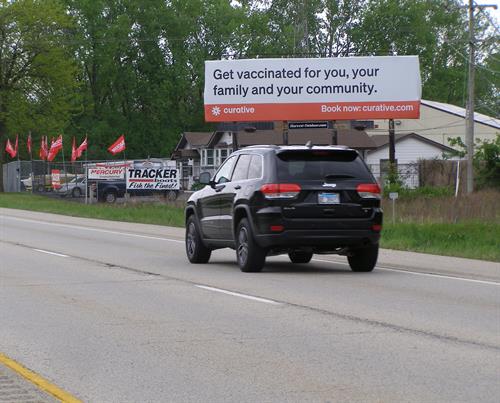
(474, 240)
(470, 239)
(147, 213)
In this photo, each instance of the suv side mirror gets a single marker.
(205, 178)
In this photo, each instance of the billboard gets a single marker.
(153, 178)
(375, 87)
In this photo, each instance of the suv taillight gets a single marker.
(368, 190)
(280, 190)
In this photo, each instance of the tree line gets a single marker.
(108, 67)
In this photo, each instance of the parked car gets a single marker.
(74, 188)
(295, 200)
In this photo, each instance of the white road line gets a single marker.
(95, 229)
(182, 242)
(237, 294)
(416, 273)
(51, 253)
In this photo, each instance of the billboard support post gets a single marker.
(392, 143)
(335, 140)
(285, 132)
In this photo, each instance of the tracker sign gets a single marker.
(153, 178)
(378, 87)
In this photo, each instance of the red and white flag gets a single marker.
(73, 151)
(55, 147)
(28, 143)
(81, 148)
(118, 146)
(9, 149)
(44, 148)
(17, 144)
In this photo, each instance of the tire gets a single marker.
(196, 251)
(110, 197)
(300, 256)
(76, 192)
(250, 256)
(171, 195)
(363, 259)
(40, 189)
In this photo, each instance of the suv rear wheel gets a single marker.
(196, 251)
(363, 259)
(298, 256)
(251, 257)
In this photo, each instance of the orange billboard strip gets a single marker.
(313, 111)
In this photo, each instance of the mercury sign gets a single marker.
(153, 178)
(379, 87)
(106, 172)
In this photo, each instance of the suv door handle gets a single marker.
(237, 187)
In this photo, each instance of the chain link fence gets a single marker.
(57, 179)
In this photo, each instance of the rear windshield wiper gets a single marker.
(338, 176)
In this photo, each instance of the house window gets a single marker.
(221, 155)
(207, 157)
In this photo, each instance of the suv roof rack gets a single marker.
(273, 146)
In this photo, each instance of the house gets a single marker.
(439, 122)
(198, 152)
(410, 148)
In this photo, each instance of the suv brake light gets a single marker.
(366, 190)
(280, 190)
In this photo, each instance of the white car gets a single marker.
(74, 188)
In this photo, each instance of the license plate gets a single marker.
(328, 198)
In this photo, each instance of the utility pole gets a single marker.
(469, 135)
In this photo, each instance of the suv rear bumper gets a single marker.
(317, 232)
(324, 239)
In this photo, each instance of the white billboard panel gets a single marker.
(375, 87)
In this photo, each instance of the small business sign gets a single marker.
(393, 195)
(56, 179)
(308, 125)
(341, 88)
(153, 178)
(106, 172)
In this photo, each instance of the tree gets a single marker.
(37, 72)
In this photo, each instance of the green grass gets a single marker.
(470, 238)
(147, 213)
(475, 240)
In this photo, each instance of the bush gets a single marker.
(197, 186)
(486, 161)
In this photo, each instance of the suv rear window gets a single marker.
(295, 165)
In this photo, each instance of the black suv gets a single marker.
(300, 200)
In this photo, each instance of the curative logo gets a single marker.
(216, 111)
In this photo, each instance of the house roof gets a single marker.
(197, 139)
(382, 140)
(458, 111)
(351, 138)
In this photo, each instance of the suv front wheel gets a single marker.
(251, 257)
(196, 251)
(363, 259)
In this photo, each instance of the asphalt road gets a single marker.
(113, 312)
